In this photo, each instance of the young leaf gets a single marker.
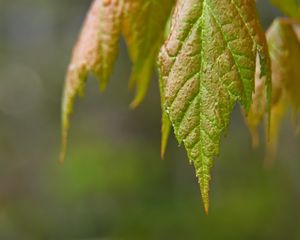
(143, 27)
(165, 121)
(143, 24)
(95, 52)
(284, 47)
(207, 65)
(258, 108)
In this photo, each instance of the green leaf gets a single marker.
(165, 121)
(289, 7)
(95, 52)
(207, 65)
(143, 27)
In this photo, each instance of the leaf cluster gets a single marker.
(214, 55)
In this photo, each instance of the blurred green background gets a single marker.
(113, 184)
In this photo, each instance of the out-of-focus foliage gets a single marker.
(142, 24)
(289, 7)
(284, 46)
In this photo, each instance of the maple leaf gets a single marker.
(207, 65)
(284, 47)
(142, 22)
(144, 34)
(95, 52)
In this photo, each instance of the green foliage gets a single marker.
(215, 55)
(143, 26)
(217, 43)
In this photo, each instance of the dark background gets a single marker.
(113, 184)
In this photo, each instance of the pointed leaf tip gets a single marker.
(74, 85)
(204, 177)
(205, 200)
(206, 208)
(63, 149)
(93, 53)
(165, 132)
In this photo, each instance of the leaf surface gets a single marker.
(207, 65)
